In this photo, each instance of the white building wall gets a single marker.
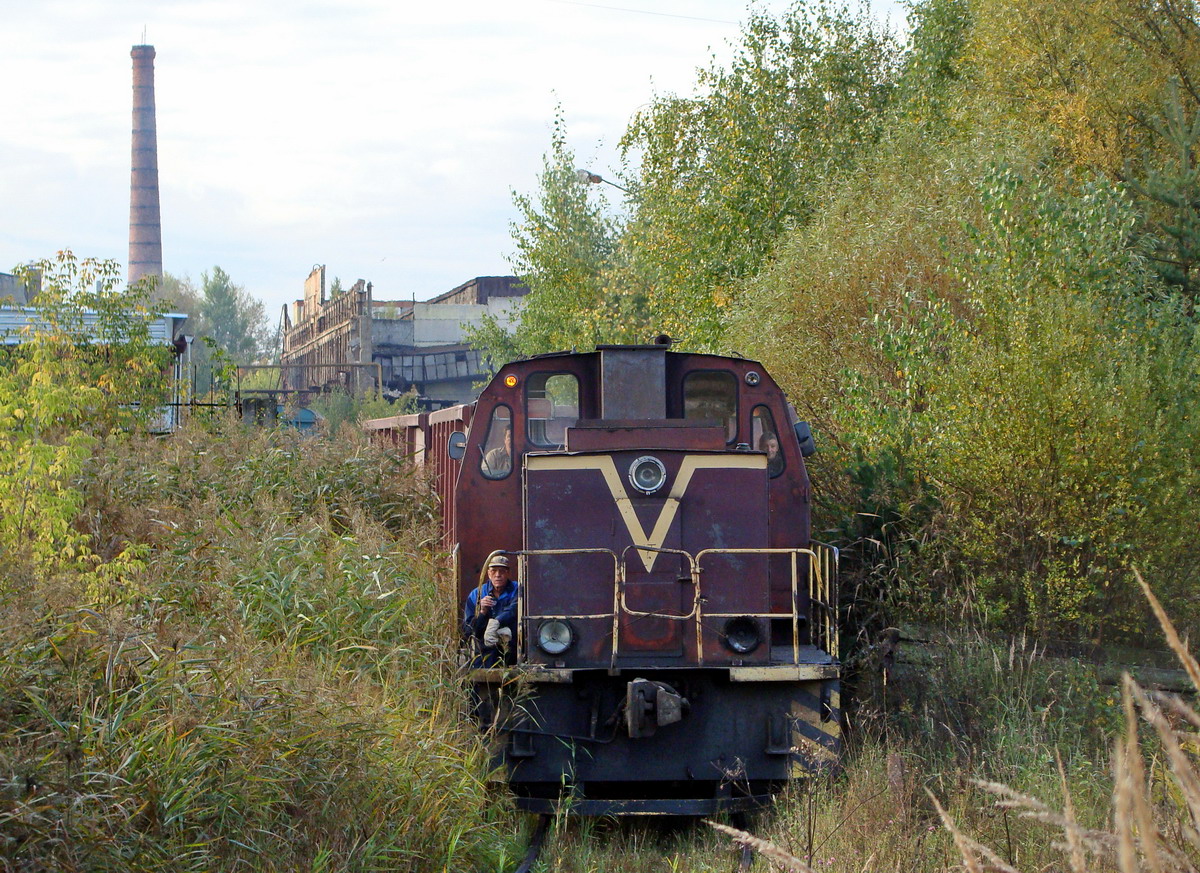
(439, 324)
(14, 321)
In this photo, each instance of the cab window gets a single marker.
(497, 458)
(551, 406)
(765, 438)
(711, 395)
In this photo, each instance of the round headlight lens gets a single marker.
(647, 474)
(554, 637)
(741, 635)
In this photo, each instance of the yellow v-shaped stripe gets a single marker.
(666, 516)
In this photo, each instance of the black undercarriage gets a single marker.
(725, 745)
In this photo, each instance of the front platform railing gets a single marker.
(820, 618)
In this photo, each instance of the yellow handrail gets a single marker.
(822, 592)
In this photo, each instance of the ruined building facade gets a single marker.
(357, 343)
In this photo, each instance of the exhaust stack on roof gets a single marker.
(145, 223)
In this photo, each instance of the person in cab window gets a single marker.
(490, 613)
(769, 443)
(498, 461)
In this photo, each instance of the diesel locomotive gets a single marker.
(677, 636)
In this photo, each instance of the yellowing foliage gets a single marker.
(1094, 71)
(86, 369)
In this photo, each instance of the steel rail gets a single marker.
(535, 845)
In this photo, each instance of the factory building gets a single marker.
(357, 343)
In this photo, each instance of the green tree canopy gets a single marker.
(973, 266)
(712, 180)
(235, 320)
(718, 177)
(567, 255)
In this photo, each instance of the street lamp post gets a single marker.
(587, 177)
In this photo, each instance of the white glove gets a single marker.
(495, 635)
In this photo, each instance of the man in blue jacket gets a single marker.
(490, 614)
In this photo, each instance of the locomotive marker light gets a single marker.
(752, 378)
(510, 381)
(647, 474)
(554, 637)
(742, 634)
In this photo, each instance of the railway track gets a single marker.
(535, 845)
(537, 841)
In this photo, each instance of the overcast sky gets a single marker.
(383, 139)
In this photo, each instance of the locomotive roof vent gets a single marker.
(633, 382)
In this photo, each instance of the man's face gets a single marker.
(498, 576)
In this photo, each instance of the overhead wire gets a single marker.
(641, 11)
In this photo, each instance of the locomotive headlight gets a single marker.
(742, 634)
(554, 637)
(647, 474)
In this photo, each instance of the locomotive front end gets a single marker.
(676, 645)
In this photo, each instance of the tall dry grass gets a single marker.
(969, 709)
(1155, 821)
(274, 689)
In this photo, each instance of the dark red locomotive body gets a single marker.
(677, 637)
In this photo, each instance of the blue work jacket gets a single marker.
(505, 610)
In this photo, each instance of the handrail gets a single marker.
(822, 594)
(795, 613)
(824, 591)
(668, 615)
(523, 566)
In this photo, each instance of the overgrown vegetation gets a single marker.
(971, 262)
(86, 367)
(230, 647)
(970, 259)
(345, 407)
(273, 686)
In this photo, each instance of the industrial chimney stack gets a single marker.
(145, 223)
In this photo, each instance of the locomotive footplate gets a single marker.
(687, 741)
(579, 805)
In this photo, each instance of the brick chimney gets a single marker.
(145, 224)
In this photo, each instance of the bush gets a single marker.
(85, 368)
(340, 407)
(1057, 415)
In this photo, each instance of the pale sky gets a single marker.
(382, 139)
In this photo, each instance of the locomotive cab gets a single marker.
(676, 647)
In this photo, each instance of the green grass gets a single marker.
(274, 690)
